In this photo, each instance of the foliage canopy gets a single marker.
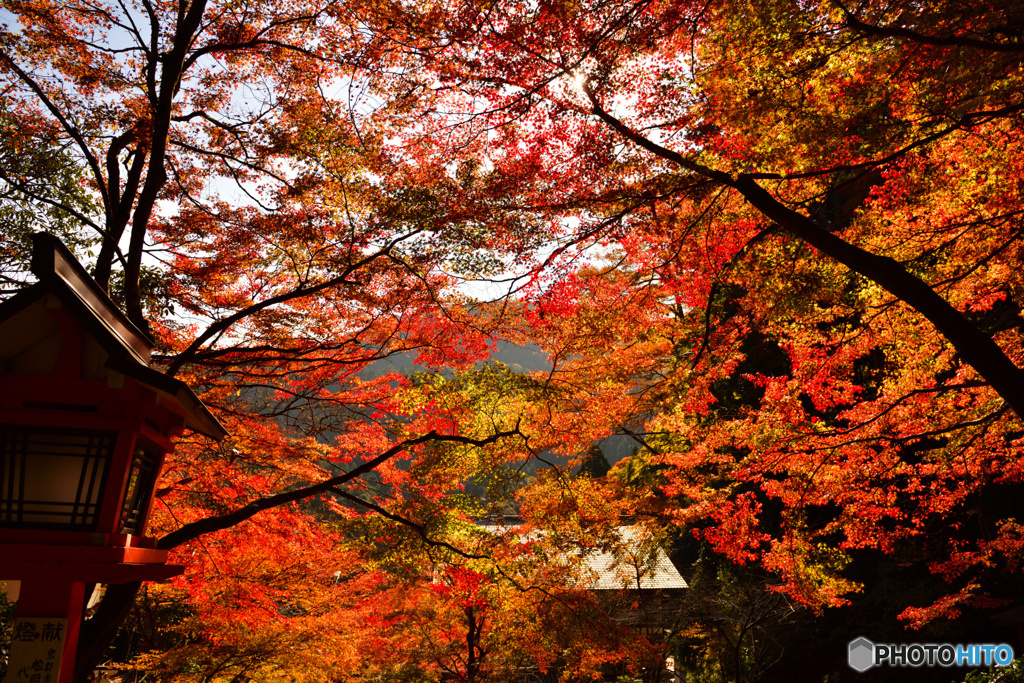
(773, 244)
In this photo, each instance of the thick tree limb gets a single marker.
(976, 348)
(210, 524)
(859, 26)
(99, 631)
(172, 63)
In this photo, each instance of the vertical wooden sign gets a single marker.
(37, 645)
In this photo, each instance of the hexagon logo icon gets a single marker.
(862, 654)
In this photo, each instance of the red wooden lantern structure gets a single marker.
(85, 424)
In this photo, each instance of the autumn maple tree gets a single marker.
(223, 170)
(773, 244)
(230, 175)
(806, 308)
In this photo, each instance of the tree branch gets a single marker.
(855, 24)
(975, 347)
(172, 62)
(68, 127)
(420, 530)
(201, 527)
(222, 325)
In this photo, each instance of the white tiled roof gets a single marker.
(631, 561)
(650, 568)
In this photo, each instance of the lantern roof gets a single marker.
(128, 348)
